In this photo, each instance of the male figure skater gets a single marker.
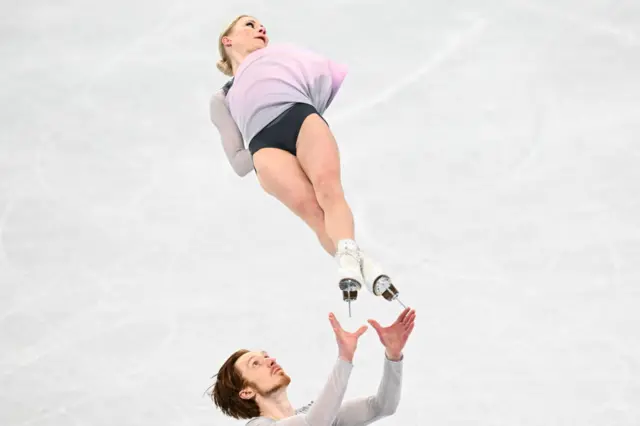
(251, 385)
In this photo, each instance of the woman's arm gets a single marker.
(232, 143)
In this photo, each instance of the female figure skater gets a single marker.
(274, 102)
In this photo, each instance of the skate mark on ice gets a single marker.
(3, 219)
(6, 264)
(128, 50)
(142, 365)
(537, 144)
(107, 66)
(440, 57)
(74, 328)
(78, 330)
(620, 35)
(532, 151)
(82, 315)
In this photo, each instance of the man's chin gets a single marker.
(284, 379)
(281, 384)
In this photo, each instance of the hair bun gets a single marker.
(224, 67)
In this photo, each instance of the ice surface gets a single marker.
(491, 155)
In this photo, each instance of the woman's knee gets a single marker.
(328, 188)
(281, 176)
(299, 197)
(309, 210)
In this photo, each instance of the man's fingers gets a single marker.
(410, 317)
(334, 322)
(375, 325)
(361, 331)
(403, 315)
(408, 325)
(408, 331)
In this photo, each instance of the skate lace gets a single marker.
(356, 254)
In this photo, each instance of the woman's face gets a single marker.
(248, 35)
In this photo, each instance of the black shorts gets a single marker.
(282, 133)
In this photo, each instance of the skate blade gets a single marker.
(385, 288)
(350, 290)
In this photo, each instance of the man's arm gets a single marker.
(232, 143)
(324, 410)
(365, 410)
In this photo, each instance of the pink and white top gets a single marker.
(266, 84)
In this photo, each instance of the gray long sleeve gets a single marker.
(232, 142)
(366, 410)
(325, 408)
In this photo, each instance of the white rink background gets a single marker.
(491, 154)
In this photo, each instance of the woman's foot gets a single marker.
(349, 268)
(376, 281)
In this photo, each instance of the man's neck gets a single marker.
(276, 406)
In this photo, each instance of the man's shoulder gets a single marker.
(304, 409)
(265, 421)
(260, 421)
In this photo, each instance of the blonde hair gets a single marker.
(224, 64)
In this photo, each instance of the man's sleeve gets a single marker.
(325, 408)
(365, 410)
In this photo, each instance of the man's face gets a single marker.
(262, 373)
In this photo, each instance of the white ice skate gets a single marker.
(376, 281)
(349, 270)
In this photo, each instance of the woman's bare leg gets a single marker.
(318, 155)
(280, 175)
(310, 186)
(317, 152)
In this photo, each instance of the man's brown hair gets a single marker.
(229, 383)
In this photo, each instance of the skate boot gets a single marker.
(377, 281)
(349, 270)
